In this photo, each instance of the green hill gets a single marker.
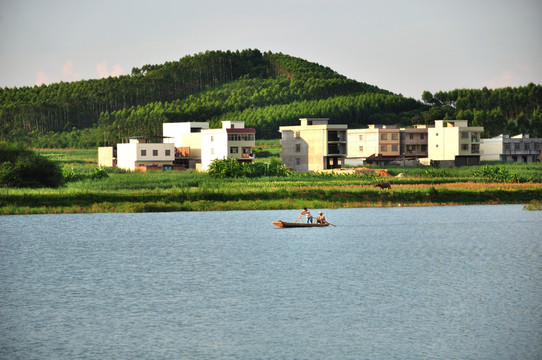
(265, 90)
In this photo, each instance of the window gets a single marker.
(506, 146)
(422, 136)
(298, 161)
(234, 150)
(527, 146)
(394, 147)
(143, 152)
(168, 152)
(383, 136)
(212, 151)
(212, 138)
(411, 136)
(297, 134)
(240, 137)
(464, 135)
(384, 148)
(155, 153)
(465, 147)
(394, 136)
(516, 146)
(361, 137)
(297, 147)
(361, 148)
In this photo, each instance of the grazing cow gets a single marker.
(383, 185)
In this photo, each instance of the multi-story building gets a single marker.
(187, 139)
(197, 145)
(453, 142)
(414, 142)
(519, 148)
(233, 140)
(140, 152)
(314, 145)
(378, 142)
(386, 143)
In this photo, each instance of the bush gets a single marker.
(496, 174)
(231, 168)
(24, 168)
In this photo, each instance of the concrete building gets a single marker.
(519, 148)
(314, 145)
(376, 142)
(139, 152)
(414, 142)
(107, 156)
(384, 144)
(454, 143)
(187, 139)
(233, 140)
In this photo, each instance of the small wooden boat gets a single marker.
(285, 224)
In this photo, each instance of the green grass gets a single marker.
(192, 191)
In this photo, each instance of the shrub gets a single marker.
(20, 167)
(496, 174)
(231, 168)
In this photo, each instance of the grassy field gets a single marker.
(123, 191)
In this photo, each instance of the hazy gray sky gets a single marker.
(403, 46)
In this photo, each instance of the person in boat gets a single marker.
(321, 219)
(307, 213)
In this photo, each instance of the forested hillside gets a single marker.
(266, 90)
(507, 110)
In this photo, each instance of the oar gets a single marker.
(332, 224)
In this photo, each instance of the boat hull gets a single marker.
(285, 224)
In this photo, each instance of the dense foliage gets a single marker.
(265, 90)
(231, 168)
(499, 111)
(24, 168)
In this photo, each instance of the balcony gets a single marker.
(336, 149)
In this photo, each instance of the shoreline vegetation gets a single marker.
(121, 191)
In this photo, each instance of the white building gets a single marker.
(454, 142)
(314, 145)
(519, 148)
(233, 140)
(139, 152)
(185, 135)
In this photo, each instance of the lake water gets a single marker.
(460, 282)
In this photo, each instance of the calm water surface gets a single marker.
(388, 283)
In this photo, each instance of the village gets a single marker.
(317, 145)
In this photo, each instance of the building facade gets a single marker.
(519, 148)
(377, 142)
(453, 142)
(414, 142)
(138, 152)
(187, 139)
(314, 145)
(385, 144)
(233, 141)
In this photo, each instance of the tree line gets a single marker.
(506, 110)
(265, 90)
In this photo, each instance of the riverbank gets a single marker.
(244, 196)
(120, 191)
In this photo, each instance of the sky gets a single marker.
(404, 46)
